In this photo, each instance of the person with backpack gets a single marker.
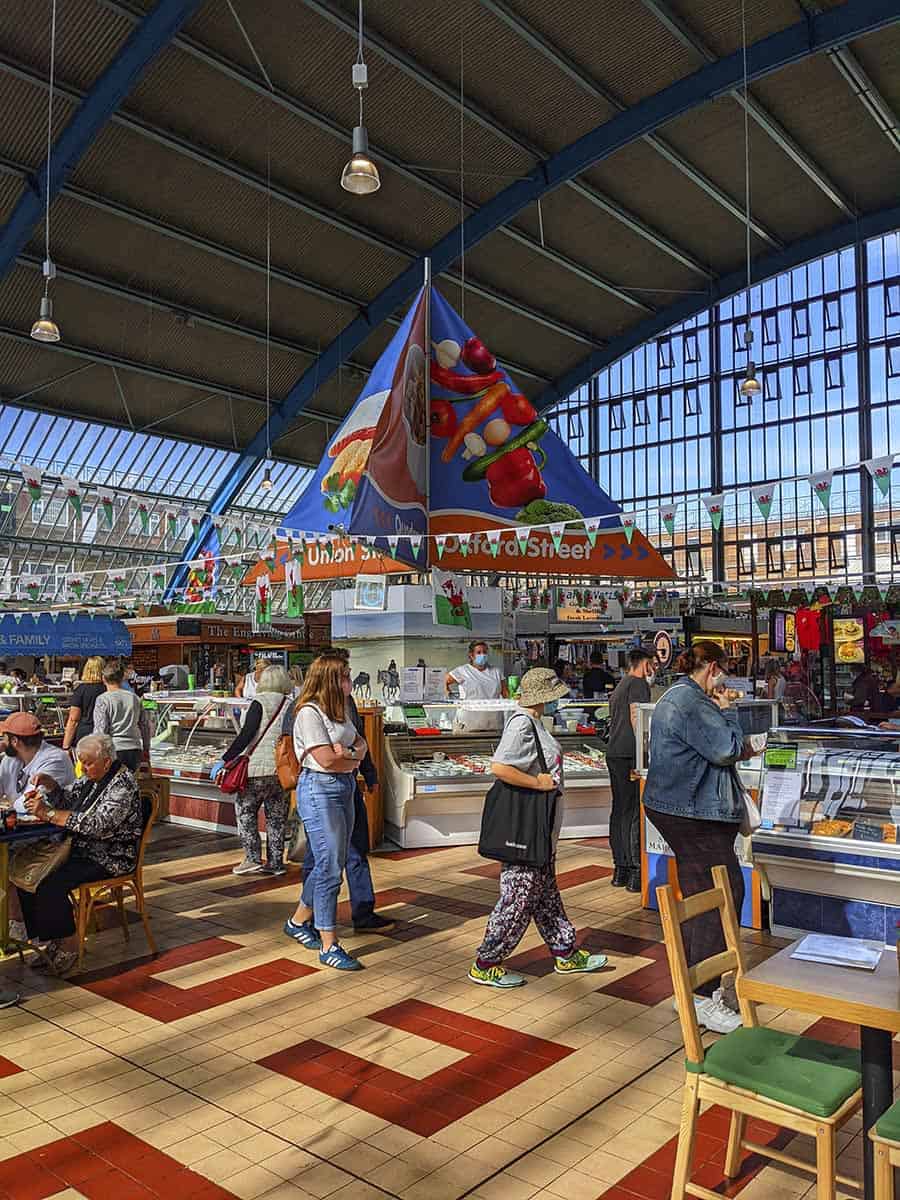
(257, 739)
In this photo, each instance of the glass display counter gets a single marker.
(657, 863)
(50, 707)
(828, 846)
(436, 779)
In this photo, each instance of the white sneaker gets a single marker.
(247, 867)
(714, 1013)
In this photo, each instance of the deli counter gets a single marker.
(828, 845)
(436, 776)
(757, 718)
(51, 707)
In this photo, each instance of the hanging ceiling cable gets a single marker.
(45, 328)
(749, 386)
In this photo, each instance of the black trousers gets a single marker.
(131, 758)
(47, 912)
(699, 846)
(624, 820)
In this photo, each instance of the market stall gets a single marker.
(28, 637)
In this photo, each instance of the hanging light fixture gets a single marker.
(267, 484)
(750, 385)
(45, 328)
(360, 175)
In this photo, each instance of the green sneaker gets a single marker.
(497, 977)
(579, 962)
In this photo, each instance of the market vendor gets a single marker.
(478, 680)
(864, 693)
(24, 740)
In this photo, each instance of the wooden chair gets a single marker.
(799, 1083)
(885, 1136)
(87, 895)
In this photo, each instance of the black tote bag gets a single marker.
(517, 823)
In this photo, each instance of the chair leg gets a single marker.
(736, 1135)
(123, 916)
(142, 909)
(685, 1154)
(81, 924)
(825, 1162)
(884, 1174)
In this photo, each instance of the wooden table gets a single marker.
(869, 999)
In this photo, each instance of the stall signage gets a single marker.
(849, 646)
(586, 604)
(782, 632)
(783, 757)
(662, 644)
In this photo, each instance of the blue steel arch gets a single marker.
(813, 35)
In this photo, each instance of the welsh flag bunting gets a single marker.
(440, 542)
(172, 524)
(33, 587)
(667, 515)
(238, 535)
(557, 531)
(628, 526)
(118, 582)
(107, 507)
(296, 549)
(715, 506)
(493, 537)
(415, 543)
(74, 495)
(34, 479)
(75, 585)
(821, 485)
(522, 535)
(237, 568)
(293, 588)
(764, 495)
(263, 600)
(159, 581)
(393, 541)
(267, 558)
(144, 516)
(196, 518)
(198, 570)
(880, 470)
(591, 525)
(464, 539)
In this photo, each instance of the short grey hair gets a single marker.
(99, 745)
(275, 679)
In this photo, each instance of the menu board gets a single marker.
(782, 632)
(849, 646)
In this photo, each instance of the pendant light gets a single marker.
(45, 328)
(360, 175)
(267, 484)
(750, 385)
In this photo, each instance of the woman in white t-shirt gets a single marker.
(329, 750)
(478, 680)
(530, 893)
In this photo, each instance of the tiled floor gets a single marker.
(232, 1065)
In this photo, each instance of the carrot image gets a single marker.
(481, 411)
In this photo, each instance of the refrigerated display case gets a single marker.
(435, 782)
(829, 842)
(50, 707)
(757, 717)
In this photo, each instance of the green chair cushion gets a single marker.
(888, 1125)
(813, 1076)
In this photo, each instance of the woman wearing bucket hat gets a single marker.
(530, 893)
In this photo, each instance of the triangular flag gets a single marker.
(33, 585)
(238, 568)
(393, 540)
(880, 470)
(715, 506)
(440, 542)
(415, 544)
(464, 539)
(263, 600)
(764, 495)
(74, 495)
(33, 478)
(144, 516)
(293, 588)
(76, 586)
(118, 582)
(591, 525)
(198, 570)
(628, 527)
(820, 483)
(158, 580)
(171, 523)
(667, 515)
(557, 530)
(196, 516)
(523, 533)
(107, 506)
(493, 537)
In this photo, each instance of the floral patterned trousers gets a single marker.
(526, 894)
(267, 793)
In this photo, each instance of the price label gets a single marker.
(782, 757)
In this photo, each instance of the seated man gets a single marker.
(24, 741)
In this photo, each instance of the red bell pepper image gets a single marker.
(514, 479)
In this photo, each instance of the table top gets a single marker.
(24, 832)
(869, 998)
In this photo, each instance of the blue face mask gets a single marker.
(480, 660)
(550, 707)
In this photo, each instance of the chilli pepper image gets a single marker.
(460, 383)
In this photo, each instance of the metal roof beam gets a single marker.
(398, 58)
(811, 36)
(587, 83)
(760, 114)
(848, 233)
(291, 104)
(97, 106)
(294, 200)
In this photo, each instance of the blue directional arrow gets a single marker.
(643, 552)
(625, 552)
(609, 551)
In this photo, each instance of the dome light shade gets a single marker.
(45, 329)
(267, 484)
(750, 385)
(360, 175)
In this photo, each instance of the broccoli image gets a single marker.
(543, 512)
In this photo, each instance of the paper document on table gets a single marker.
(839, 951)
(781, 798)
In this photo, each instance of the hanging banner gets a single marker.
(32, 586)
(463, 539)
(293, 585)
(76, 586)
(591, 525)
(714, 506)
(880, 470)
(158, 581)
(263, 600)
(763, 496)
(667, 515)
(557, 533)
(451, 606)
(493, 537)
(118, 581)
(107, 503)
(74, 494)
(628, 528)
(33, 478)
(821, 486)
(144, 516)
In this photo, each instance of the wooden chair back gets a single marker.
(151, 795)
(685, 979)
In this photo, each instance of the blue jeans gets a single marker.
(359, 876)
(325, 805)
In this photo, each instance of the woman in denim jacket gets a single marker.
(694, 799)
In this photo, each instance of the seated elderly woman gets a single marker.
(103, 814)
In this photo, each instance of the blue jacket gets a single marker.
(694, 745)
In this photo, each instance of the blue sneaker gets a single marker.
(306, 934)
(338, 958)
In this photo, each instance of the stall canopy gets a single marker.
(441, 442)
(62, 633)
